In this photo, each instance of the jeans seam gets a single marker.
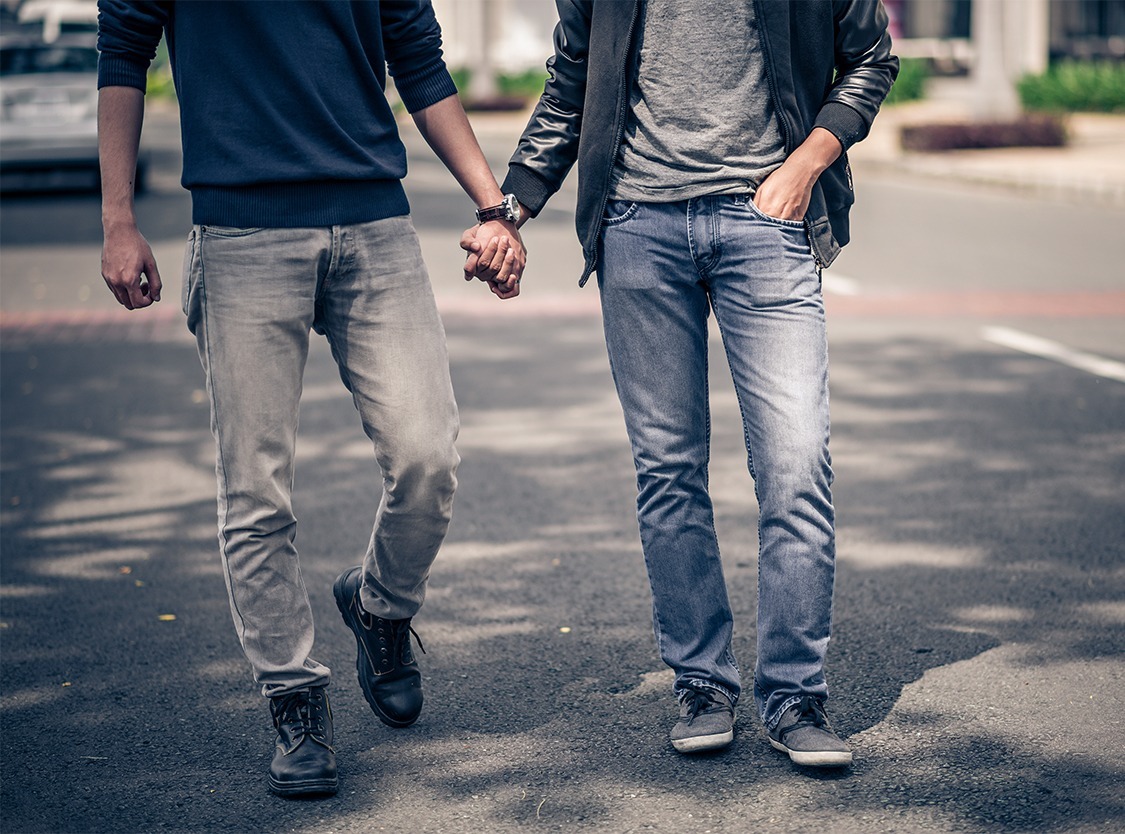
(213, 396)
(716, 235)
(741, 404)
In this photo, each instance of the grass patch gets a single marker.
(911, 82)
(526, 85)
(1076, 86)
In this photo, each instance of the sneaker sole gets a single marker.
(343, 603)
(700, 744)
(310, 787)
(815, 758)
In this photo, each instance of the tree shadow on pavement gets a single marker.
(979, 513)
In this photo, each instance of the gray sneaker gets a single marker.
(706, 721)
(804, 733)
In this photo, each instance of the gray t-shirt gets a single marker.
(702, 121)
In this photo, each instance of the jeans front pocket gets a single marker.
(187, 274)
(618, 211)
(229, 231)
(777, 221)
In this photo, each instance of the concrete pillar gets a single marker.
(482, 82)
(994, 94)
(1026, 36)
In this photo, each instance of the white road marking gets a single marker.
(1045, 348)
(839, 284)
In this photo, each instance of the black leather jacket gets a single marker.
(828, 64)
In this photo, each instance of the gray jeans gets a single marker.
(251, 297)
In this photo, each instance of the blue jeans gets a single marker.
(664, 266)
(251, 297)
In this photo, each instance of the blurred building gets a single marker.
(1050, 29)
(510, 35)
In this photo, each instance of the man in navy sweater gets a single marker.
(300, 222)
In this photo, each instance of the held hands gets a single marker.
(495, 256)
(126, 257)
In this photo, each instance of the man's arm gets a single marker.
(446, 129)
(787, 191)
(128, 34)
(865, 70)
(412, 40)
(128, 266)
(548, 147)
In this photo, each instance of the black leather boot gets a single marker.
(388, 673)
(304, 763)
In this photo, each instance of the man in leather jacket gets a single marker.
(710, 140)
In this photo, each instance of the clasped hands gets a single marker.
(495, 255)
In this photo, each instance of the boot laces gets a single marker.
(303, 713)
(393, 635)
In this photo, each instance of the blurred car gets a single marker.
(49, 113)
(54, 17)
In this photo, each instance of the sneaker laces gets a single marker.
(810, 713)
(698, 701)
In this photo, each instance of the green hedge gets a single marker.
(527, 84)
(1076, 86)
(911, 82)
(160, 76)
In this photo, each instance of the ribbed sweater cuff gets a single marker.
(420, 91)
(116, 71)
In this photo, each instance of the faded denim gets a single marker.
(251, 297)
(664, 267)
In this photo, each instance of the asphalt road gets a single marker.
(976, 664)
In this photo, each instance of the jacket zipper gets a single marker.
(782, 120)
(624, 91)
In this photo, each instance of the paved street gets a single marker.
(978, 403)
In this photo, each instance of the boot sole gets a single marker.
(701, 744)
(815, 758)
(343, 604)
(310, 787)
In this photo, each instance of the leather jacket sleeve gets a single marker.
(865, 69)
(548, 147)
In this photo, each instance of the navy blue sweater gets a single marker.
(282, 106)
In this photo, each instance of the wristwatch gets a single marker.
(508, 210)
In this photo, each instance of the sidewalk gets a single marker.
(1090, 167)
